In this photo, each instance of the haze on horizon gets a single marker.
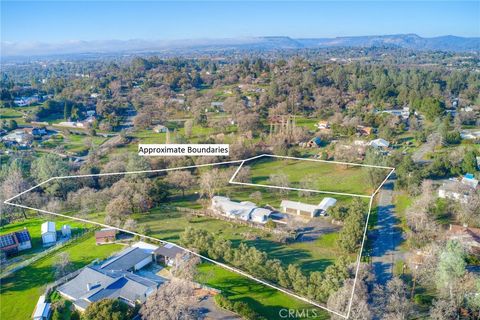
(34, 26)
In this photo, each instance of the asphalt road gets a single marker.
(387, 236)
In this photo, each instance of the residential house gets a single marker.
(16, 241)
(364, 131)
(300, 208)
(469, 180)
(42, 310)
(379, 144)
(316, 142)
(167, 254)
(458, 190)
(177, 100)
(160, 129)
(106, 235)
(404, 113)
(323, 124)
(217, 105)
(35, 131)
(245, 210)
(19, 136)
(25, 101)
(130, 259)
(467, 236)
(49, 234)
(93, 284)
(470, 135)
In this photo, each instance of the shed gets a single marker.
(379, 143)
(326, 203)
(66, 230)
(49, 234)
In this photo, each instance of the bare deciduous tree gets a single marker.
(174, 300)
(62, 265)
(181, 179)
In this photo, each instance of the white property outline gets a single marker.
(273, 286)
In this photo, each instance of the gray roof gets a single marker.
(126, 259)
(93, 284)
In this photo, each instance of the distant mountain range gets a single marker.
(407, 41)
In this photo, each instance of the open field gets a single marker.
(21, 290)
(327, 176)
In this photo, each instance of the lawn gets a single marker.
(327, 176)
(34, 225)
(266, 301)
(21, 290)
(168, 224)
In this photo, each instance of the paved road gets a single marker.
(387, 236)
(429, 146)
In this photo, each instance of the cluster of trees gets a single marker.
(353, 216)
(456, 162)
(109, 309)
(457, 289)
(316, 285)
(239, 307)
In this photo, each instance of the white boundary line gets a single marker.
(232, 182)
(300, 189)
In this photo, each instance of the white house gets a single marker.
(245, 210)
(42, 310)
(458, 190)
(379, 143)
(49, 234)
(300, 208)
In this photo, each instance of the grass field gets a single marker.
(21, 290)
(310, 255)
(327, 176)
(33, 226)
(266, 301)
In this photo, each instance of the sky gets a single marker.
(61, 21)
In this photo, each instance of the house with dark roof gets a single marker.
(167, 254)
(16, 241)
(130, 259)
